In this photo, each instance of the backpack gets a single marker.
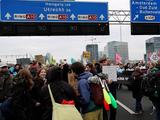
(96, 91)
(151, 85)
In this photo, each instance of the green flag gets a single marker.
(113, 101)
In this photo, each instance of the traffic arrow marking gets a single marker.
(136, 17)
(101, 17)
(72, 16)
(41, 16)
(8, 16)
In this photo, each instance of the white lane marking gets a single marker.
(126, 108)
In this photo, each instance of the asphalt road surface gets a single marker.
(126, 105)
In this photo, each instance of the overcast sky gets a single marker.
(72, 46)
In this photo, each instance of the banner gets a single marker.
(111, 71)
(86, 54)
(154, 57)
(40, 58)
(49, 59)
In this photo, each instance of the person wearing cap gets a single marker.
(3, 65)
(5, 82)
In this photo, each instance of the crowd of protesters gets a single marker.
(139, 75)
(24, 93)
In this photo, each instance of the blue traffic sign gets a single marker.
(145, 11)
(48, 11)
(0, 10)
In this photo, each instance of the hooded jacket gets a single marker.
(85, 100)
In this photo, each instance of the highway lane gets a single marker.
(125, 110)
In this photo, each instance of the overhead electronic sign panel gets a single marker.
(49, 11)
(145, 11)
(145, 17)
(0, 10)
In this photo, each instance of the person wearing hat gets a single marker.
(5, 82)
(3, 65)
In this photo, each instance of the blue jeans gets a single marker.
(138, 106)
(1, 116)
(157, 106)
(5, 108)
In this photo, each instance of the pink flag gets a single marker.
(118, 58)
(149, 55)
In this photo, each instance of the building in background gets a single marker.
(93, 49)
(106, 51)
(12, 59)
(153, 44)
(118, 48)
(101, 54)
(153, 47)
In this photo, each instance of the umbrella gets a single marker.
(113, 101)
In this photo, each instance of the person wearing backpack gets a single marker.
(90, 110)
(154, 83)
(95, 86)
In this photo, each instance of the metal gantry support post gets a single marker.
(119, 17)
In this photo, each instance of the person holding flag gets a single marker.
(112, 86)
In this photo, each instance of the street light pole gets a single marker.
(120, 33)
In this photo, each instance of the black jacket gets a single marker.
(36, 90)
(136, 80)
(5, 86)
(22, 103)
(60, 90)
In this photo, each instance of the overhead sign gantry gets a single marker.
(145, 17)
(33, 17)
